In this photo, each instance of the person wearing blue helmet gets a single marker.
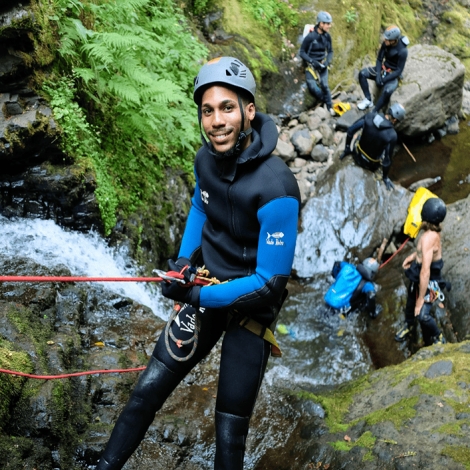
(317, 52)
(388, 69)
(242, 227)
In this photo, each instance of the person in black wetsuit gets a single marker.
(375, 146)
(317, 52)
(388, 69)
(422, 268)
(242, 226)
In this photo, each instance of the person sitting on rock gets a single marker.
(423, 269)
(353, 288)
(388, 68)
(374, 148)
(317, 52)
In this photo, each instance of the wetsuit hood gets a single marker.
(263, 139)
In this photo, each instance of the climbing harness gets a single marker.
(259, 330)
(365, 154)
(313, 72)
(435, 293)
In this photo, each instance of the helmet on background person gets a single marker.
(224, 71)
(397, 111)
(324, 17)
(392, 33)
(368, 268)
(434, 211)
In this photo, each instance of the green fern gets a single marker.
(136, 62)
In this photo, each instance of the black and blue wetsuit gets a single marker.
(376, 143)
(242, 226)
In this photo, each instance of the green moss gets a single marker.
(460, 454)
(396, 413)
(366, 440)
(11, 386)
(453, 429)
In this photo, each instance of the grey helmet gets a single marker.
(324, 17)
(397, 111)
(392, 33)
(368, 268)
(224, 70)
(434, 211)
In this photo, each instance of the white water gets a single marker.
(84, 255)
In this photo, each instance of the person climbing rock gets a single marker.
(388, 69)
(374, 147)
(243, 231)
(423, 268)
(353, 288)
(317, 52)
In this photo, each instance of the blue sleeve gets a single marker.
(368, 287)
(276, 246)
(196, 219)
(400, 67)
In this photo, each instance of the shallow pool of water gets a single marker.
(448, 158)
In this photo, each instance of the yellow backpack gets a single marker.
(413, 219)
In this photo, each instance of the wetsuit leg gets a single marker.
(366, 74)
(325, 88)
(428, 324)
(410, 304)
(313, 86)
(242, 366)
(387, 91)
(156, 383)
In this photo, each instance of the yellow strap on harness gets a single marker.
(312, 71)
(262, 331)
(365, 154)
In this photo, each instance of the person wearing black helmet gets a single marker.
(242, 226)
(353, 288)
(374, 147)
(423, 269)
(317, 52)
(388, 69)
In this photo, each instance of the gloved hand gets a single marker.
(378, 80)
(347, 151)
(389, 185)
(317, 65)
(177, 291)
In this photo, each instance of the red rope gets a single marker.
(77, 279)
(74, 374)
(394, 254)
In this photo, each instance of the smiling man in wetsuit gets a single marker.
(242, 226)
(421, 267)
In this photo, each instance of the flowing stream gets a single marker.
(83, 254)
(318, 349)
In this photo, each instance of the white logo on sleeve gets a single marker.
(205, 197)
(275, 238)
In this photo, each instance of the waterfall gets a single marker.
(49, 245)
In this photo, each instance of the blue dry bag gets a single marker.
(340, 293)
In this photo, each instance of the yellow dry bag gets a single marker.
(413, 219)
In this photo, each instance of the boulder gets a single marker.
(431, 91)
(351, 213)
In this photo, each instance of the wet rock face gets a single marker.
(37, 180)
